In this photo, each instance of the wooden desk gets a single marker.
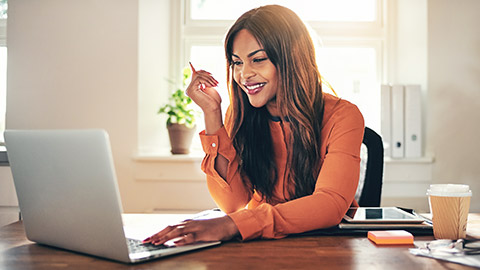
(309, 252)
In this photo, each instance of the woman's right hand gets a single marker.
(201, 90)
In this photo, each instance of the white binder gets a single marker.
(398, 141)
(413, 121)
(386, 118)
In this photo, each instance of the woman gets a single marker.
(287, 159)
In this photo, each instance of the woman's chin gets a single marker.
(256, 104)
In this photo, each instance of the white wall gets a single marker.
(73, 64)
(454, 92)
(8, 199)
(405, 181)
(89, 64)
(92, 64)
(154, 56)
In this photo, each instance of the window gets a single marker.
(350, 44)
(3, 9)
(3, 66)
(3, 88)
(349, 51)
(319, 10)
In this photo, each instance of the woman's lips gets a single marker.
(253, 89)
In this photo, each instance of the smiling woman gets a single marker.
(267, 164)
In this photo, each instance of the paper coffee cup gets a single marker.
(449, 205)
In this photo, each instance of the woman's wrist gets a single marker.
(231, 227)
(213, 120)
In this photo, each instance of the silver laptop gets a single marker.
(68, 194)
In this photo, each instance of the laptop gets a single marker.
(68, 194)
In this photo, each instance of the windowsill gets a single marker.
(420, 160)
(166, 156)
(198, 155)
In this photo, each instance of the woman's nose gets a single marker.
(247, 71)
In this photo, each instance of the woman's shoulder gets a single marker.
(336, 108)
(335, 104)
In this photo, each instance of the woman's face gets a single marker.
(254, 72)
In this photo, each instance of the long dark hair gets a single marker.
(299, 99)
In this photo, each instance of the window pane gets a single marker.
(3, 89)
(309, 10)
(352, 72)
(3, 9)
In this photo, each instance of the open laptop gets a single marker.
(68, 194)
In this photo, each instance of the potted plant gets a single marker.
(181, 118)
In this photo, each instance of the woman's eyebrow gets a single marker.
(254, 52)
(250, 54)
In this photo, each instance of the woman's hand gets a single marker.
(201, 90)
(193, 231)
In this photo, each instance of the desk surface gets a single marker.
(307, 252)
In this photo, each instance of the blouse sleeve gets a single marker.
(229, 194)
(334, 191)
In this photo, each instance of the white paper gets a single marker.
(470, 260)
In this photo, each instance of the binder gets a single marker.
(413, 121)
(386, 118)
(398, 141)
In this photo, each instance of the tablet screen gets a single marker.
(380, 215)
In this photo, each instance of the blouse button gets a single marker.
(214, 144)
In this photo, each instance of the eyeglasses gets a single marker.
(460, 246)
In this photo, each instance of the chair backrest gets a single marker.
(371, 176)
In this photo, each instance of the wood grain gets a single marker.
(309, 252)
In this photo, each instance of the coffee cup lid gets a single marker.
(446, 190)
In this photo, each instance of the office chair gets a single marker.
(369, 190)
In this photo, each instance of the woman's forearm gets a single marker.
(213, 122)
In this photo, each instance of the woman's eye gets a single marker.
(257, 60)
(236, 63)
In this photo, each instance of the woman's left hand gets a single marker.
(193, 231)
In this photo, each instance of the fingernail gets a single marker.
(147, 239)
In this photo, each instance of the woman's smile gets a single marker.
(255, 88)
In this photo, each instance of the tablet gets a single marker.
(380, 215)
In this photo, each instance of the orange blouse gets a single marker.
(341, 138)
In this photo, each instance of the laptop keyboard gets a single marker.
(136, 246)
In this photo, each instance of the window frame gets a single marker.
(185, 29)
(3, 43)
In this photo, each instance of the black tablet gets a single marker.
(380, 215)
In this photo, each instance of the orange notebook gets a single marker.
(393, 237)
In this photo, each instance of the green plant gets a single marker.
(179, 107)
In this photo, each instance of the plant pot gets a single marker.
(180, 138)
